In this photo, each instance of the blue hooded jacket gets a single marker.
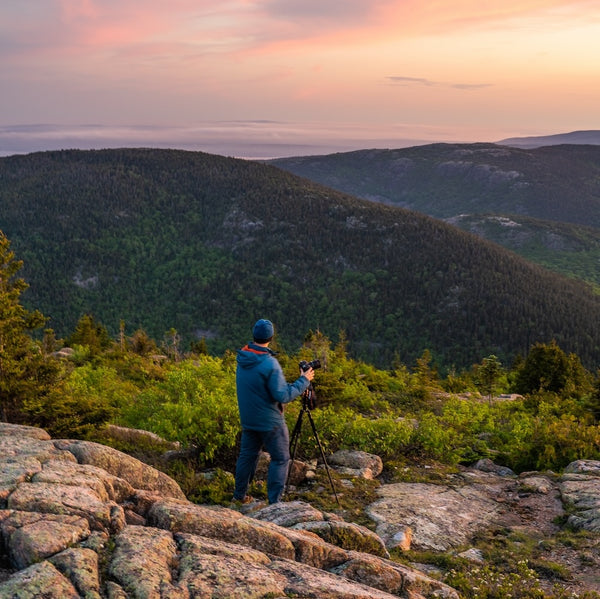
(262, 389)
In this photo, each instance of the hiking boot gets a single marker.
(247, 499)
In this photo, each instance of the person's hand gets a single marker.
(309, 374)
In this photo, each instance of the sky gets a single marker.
(265, 78)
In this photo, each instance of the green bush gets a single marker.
(195, 405)
(80, 404)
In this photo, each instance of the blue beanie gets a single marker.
(263, 330)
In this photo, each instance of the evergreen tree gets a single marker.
(488, 373)
(171, 343)
(25, 373)
(90, 333)
(199, 347)
(425, 372)
(549, 368)
(142, 344)
(594, 401)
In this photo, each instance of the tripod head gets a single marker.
(309, 399)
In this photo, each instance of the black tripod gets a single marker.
(308, 401)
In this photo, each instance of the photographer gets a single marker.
(261, 392)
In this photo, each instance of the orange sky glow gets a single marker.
(302, 72)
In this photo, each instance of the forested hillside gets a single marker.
(205, 245)
(542, 203)
(559, 183)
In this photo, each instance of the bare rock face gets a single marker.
(442, 516)
(78, 519)
(580, 487)
(434, 517)
(439, 517)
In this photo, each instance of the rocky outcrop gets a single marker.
(78, 519)
(449, 514)
(580, 488)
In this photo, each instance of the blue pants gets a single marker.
(276, 443)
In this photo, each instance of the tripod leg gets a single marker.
(314, 430)
(293, 445)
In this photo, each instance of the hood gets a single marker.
(251, 355)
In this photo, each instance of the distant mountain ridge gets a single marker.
(572, 250)
(560, 183)
(574, 137)
(204, 244)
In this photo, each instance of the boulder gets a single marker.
(39, 580)
(536, 484)
(31, 537)
(102, 484)
(138, 474)
(587, 467)
(80, 566)
(59, 498)
(486, 465)
(219, 523)
(392, 577)
(10, 431)
(134, 435)
(290, 513)
(146, 573)
(356, 463)
(329, 527)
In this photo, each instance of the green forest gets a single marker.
(541, 203)
(409, 414)
(558, 183)
(203, 245)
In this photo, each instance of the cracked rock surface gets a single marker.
(81, 520)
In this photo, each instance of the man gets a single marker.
(261, 391)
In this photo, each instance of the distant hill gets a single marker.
(465, 183)
(559, 183)
(206, 245)
(574, 137)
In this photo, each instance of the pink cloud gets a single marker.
(62, 26)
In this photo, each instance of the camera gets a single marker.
(304, 365)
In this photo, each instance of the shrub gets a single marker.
(81, 403)
(195, 404)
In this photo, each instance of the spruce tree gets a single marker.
(25, 373)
